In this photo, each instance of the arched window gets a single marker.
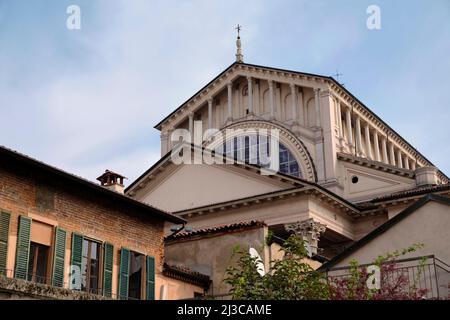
(254, 149)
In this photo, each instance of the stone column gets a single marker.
(399, 159)
(317, 105)
(165, 141)
(294, 103)
(368, 144)
(349, 127)
(376, 145)
(301, 114)
(271, 100)
(330, 140)
(358, 136)
(406, 162)
(339, 119)
(413, 165)
(230, 101)
(250, 95)
(191, 126)
(238, 98)
(256, 98)
(384, 150)
(278, 103)
(309, 231)
(392, 153)
(210, 113)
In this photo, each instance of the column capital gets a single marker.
(309, 230)
(210, 100)
(316, 91)
(249, 78)
(230, 84)
(292, 86)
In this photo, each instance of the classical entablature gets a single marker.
(286, 138)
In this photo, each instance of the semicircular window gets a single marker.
(254, 149)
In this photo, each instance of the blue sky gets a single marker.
(86, 100)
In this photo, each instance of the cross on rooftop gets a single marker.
(238, 28)
(337, 75)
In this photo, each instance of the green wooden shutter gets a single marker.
(108, 258)
(4, 234)
(150, 284)
(23, 248)
(124, 273)
(59, 257)
(75, 256)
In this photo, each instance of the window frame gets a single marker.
(143, 284)
(48, 267)
(99, 289)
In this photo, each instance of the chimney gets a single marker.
(426, 176)
(112, 181)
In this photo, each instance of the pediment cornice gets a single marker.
(233, 72)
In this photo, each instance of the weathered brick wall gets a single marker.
(24, 192)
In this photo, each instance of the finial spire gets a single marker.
(239, 55)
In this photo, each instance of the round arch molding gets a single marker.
(287, 138)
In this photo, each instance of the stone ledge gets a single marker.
(21, 289)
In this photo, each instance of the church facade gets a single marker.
(343, 172)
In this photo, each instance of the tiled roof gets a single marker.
(217, 229)
(413, 192)
(7, 154)
(183, 273)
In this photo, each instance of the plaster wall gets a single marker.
(429, 225)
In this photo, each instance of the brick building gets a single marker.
(59, 232)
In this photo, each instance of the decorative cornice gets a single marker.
(380, 166)
(334, 202)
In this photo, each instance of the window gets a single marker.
(38, 263)
(251, 148)
(90, 266)
(136, 275)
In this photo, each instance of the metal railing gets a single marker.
(425, 273)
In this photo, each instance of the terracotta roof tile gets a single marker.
(412, 192)
(186, 274)
(217, 229)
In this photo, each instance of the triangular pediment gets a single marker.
(229, 75)
(365, 183)
(174, 188)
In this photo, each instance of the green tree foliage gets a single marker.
(292, 278)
